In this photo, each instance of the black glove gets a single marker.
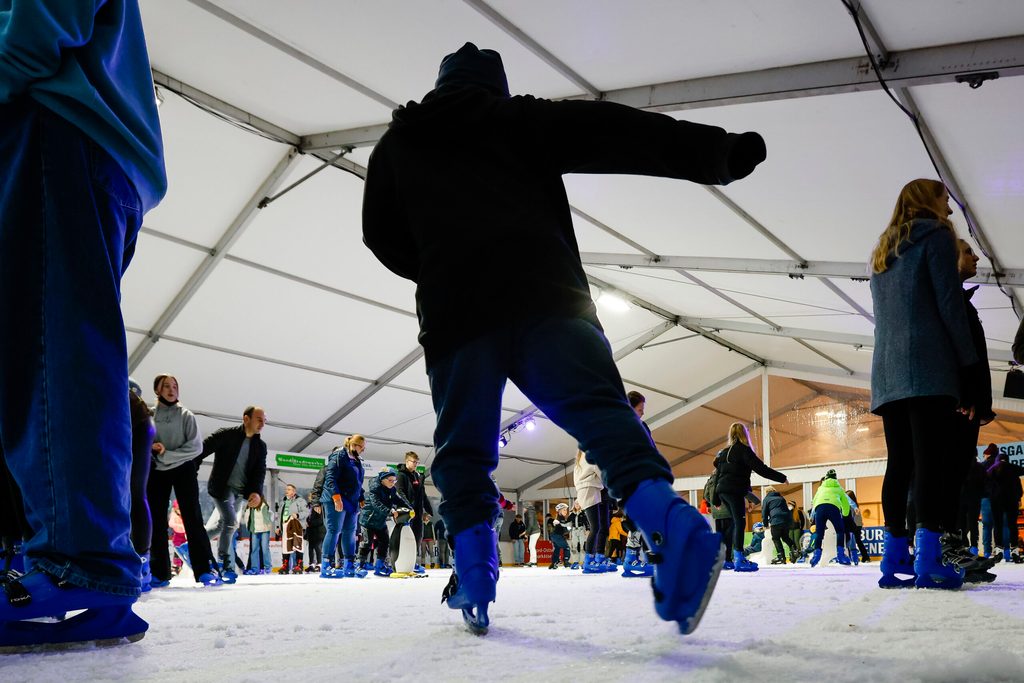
(741, 153)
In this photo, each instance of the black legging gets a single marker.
(780, 535)
(733, 502)
(854, 530)
(14, 526)
(375, 538)
(965, 441)
(724, 527)
(917, 438)
(314, 543)
(183, 480)
(143, 432)
(598, 517)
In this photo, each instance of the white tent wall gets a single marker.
(295, 314)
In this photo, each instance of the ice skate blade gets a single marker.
(890, 582)
(97, 627)
(691, 624)
(476, 623)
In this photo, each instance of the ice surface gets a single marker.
(780, 624)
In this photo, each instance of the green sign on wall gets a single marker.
(303, 462)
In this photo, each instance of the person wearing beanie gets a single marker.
(383, 501)
(775, 511)
(830, 505)
(484, 195)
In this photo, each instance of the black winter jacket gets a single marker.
(225, 444)
(410, 485)
(516, 530)
(380, 501)
(775, 510)
(432, 218)
(735, 464)
(980, 378)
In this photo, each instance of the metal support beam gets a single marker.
(256, 123)
(533, 46)
(220, 250)
(923, 66)
(296, 54)
(360, 398)
(766, 420)
(846, 270)
(949, 177)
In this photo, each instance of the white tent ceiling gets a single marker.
(283, 305)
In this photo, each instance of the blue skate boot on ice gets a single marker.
(107, 620)
(816, 557)
(896, 559)
(932, 570)
(473, 584)
(349, 570)
(741, 563)
(841, 557)
(687, 556)
(594, 564)
(381, 568)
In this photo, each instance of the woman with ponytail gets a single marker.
(343, 490)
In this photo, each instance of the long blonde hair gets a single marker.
(918, 199)
(354, 439)
(738, 432)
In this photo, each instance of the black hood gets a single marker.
(473, 66)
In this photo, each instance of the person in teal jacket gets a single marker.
(82, 161)
(830, 505)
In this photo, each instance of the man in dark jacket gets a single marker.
(383, 500)
(410, 486)
(775, 513)
(239, 467)
(464, 196)
(965, 432)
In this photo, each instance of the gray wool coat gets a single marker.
(922, 338)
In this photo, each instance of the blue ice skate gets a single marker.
(473, 584)
(896, 559)
(931, 570)
(594, 564)
(841, 557)
(382, 568)
(328, 571)
(816, 557)
(687, 556)
(349, 571)
(108, 619)
(741, 563)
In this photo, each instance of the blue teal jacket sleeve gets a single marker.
(33, 36)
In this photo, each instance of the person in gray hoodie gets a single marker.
(177, 444)
(532, 532)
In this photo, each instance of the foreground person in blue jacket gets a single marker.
(472, 172)
(82, 162)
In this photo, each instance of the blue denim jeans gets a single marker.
(565, 367)
(226, 527)
(518, 551)
(259, 550)
(826, 512)
(339, 524)
(560, 548)
(69, 218)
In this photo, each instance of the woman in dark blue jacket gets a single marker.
(343, 489)
(923, 360)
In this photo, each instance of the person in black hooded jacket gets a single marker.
(735, 463)
(775, 513)
(464, 196)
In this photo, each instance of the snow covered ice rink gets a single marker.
(780, 624)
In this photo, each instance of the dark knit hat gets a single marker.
(831, 474)
(473, 66)
(991, 450)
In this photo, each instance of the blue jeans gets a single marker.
(69, 218)
(518, 551)
(339, 523)
(826, 512)
(565, 367)
(259, 550)
(226, 527)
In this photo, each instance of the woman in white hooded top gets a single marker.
(590, 493)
